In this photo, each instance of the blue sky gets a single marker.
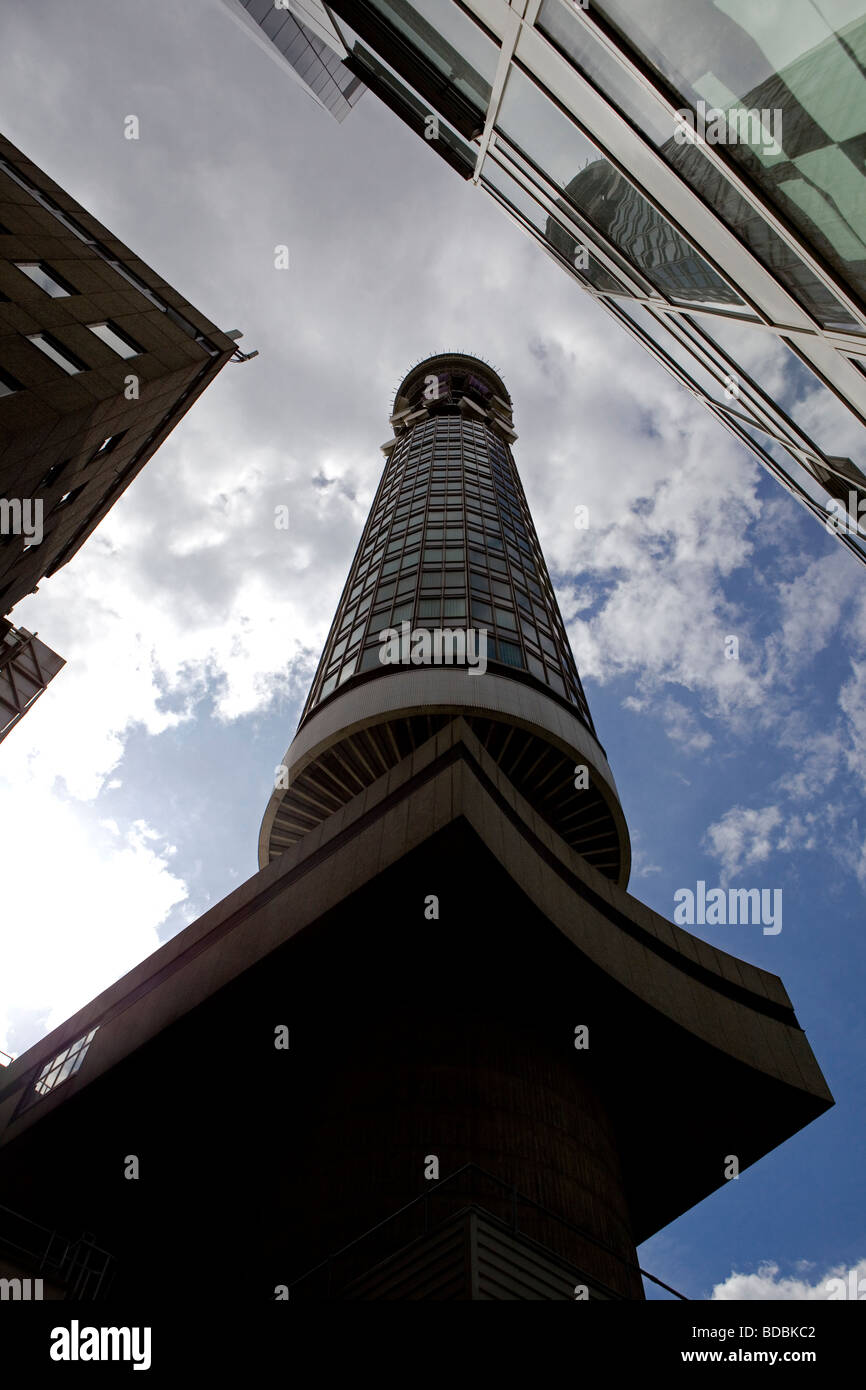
(131, 795)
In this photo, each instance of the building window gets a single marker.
(53, 474)
(107, 446)
(69, 497)
(509, 654)
(49, 280)
(116, 339)
(9, 384)
(54, 349)
(64, 1065)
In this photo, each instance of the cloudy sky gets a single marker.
(131, 795)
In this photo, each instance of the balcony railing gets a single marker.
(80, 1267)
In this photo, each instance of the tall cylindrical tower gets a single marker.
(473, 1067)
(449, 547)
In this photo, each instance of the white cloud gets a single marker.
(682, 727)
(852, 702)
(817, 757)
(742, 837)
(112, 889)
(155, 611)
(768, 1284)
(811, 608)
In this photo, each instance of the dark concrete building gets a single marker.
(99, 360)
(433, 1049)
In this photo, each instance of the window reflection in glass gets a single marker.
(605, 197)
(782, 58)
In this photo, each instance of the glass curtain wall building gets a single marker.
(698, 168)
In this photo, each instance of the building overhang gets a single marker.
(699, 1055)
(382, 702)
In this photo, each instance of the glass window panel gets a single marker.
(63, 356)
(65, 1064)
(116, 339)
(805, 61)
(520, 199)
(605, 197)
(370, 659)
(47, 279)
(65, 1070)
(8, 384)
(509, 654)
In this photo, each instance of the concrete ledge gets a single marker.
(441, 690)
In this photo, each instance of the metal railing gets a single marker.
(81, 1267)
